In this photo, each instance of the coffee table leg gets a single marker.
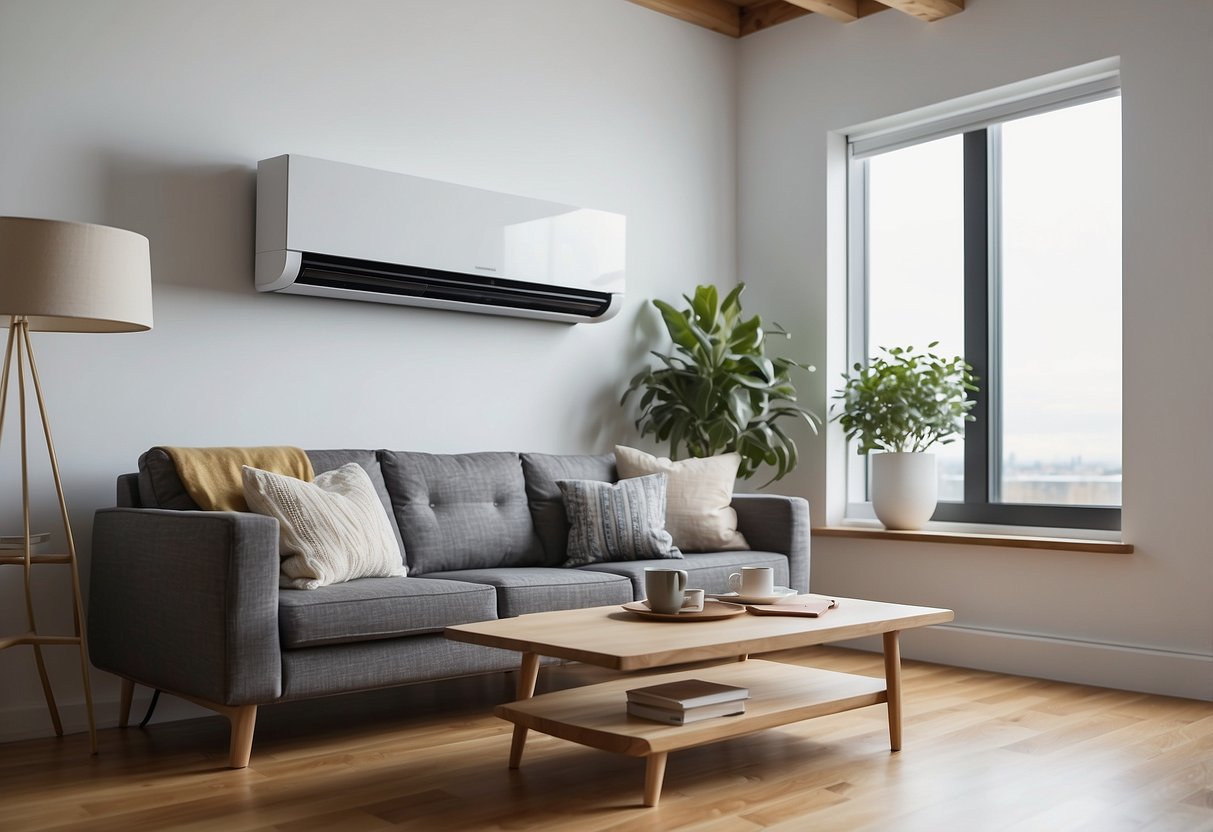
(892, 677)
(527, 676)
(654, 775)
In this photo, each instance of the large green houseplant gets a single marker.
(718, 391)
(901, 404)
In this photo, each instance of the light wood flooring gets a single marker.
(982, 751)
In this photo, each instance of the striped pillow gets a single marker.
(620, 521)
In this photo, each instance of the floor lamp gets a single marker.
(61, 277)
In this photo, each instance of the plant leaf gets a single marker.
(718, 391)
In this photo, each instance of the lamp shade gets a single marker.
(74, 277)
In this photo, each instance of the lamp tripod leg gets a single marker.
(15, 340)
(47, 692)
(77, 601)
(19, 347)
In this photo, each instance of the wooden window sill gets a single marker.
(1064, 544)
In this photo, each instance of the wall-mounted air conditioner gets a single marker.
(343, 231)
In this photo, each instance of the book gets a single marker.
(681, 717)
(810, 606)
(17, 541)
(687, 693)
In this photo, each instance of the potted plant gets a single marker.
(901, 404)
(718, 391)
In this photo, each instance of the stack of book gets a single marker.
(689, 700)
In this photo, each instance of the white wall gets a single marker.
(1142, 621)
(151, 115)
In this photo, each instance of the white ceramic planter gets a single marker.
(905, 489)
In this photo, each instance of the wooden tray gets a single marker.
(712, 611)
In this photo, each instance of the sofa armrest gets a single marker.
(187, 601)
(773, 523)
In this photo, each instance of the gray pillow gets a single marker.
(616, 521)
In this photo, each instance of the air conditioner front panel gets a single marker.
(313, 205)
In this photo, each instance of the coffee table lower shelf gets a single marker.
(780, 694)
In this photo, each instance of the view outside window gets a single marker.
(1056, 278)
(916, 263)
(1061, 350)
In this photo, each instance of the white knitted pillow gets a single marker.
(330, 530)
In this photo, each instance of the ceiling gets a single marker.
(737, 18)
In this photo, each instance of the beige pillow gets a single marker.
(698, 493)
(330, 530)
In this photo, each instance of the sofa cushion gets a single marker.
(375, 608)
(617, 521)
(461, 511)
(522, 590)
(547, 505)
(705, 570)
(160, 487)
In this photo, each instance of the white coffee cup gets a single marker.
(753, 581)
(664, 588)
(692, 600)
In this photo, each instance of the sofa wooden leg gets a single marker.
(124, 704)
(243, 719)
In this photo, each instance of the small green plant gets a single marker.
(719, 392)
(906, 402)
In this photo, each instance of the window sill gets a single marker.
(1064, 544)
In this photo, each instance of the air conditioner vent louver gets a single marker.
(342, 231)
(383, 278)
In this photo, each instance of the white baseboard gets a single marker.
(1169, 673)
(34, 722)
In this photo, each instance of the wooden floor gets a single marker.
(982, 752)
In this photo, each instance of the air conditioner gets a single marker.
(336, 230)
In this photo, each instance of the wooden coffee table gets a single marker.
(610, 637)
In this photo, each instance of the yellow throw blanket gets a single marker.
(212, 476)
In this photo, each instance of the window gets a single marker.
(997, 233)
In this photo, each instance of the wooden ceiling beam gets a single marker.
(718, 15)
(736, 18)
(867, 7)
(844, 11)
(928, 10)
(764, 15)
(767, 13)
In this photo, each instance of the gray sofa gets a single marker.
(187, 601)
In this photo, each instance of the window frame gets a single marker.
(982, 274)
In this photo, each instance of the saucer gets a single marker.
(780, 593)
(712, 611)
